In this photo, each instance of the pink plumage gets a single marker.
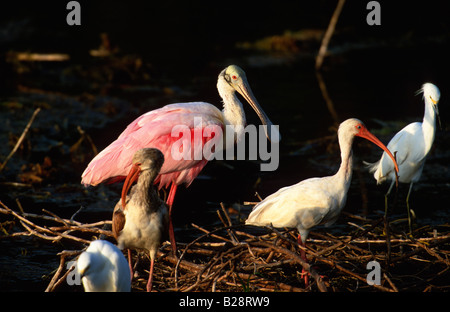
(154, 129)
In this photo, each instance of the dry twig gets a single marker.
(21, 138)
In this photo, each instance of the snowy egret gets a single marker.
(103, 268)
(411, 146)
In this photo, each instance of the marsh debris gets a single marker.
(234, 257)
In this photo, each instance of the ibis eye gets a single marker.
(234, 77)
(358, 127)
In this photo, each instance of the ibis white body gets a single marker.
(314, 201)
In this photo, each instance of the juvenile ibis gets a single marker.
(141, 219)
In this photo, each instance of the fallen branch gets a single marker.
(21, 138)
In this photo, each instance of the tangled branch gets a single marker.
(231, 258)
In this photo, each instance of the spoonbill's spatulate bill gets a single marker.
(141, 219)
(154, 129)
(411, 145)
(103, 268)
(316, 200)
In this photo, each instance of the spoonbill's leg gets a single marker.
(170, 199)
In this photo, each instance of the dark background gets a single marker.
(371, 73)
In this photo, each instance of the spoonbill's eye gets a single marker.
(234, 77)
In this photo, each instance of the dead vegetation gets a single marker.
(232, 257)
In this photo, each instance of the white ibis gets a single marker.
(103, 268)
(411, 145)
(141, 219)
(314, 201)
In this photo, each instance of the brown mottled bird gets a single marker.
(141, 219)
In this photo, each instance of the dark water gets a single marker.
(371, 74)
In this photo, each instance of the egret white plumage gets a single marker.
(141, 220)
(411, 145)
(103, 268)
(314, 201)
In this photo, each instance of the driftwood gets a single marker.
(231, 258)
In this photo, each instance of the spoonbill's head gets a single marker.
(146, 159)
(355, 127)
(234, 79)
(431, 95)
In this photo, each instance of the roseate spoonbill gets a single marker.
(411, 145)
(314, 201)
(103, 268)
(141, 219)
(154, 128)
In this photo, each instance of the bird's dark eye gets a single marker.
(358, 127)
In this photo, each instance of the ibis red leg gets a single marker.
(303, 256)
(150, 276)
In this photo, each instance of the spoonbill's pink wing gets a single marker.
(154, 129)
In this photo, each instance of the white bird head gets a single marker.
(430, 93)
(98, 263)
(236, 80)
(431, 96)
(86, 263)
(93, 258)
(355, 127)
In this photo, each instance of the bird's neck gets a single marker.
(429, 125)
(233, 110)
(344, 174)
(144, 190)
